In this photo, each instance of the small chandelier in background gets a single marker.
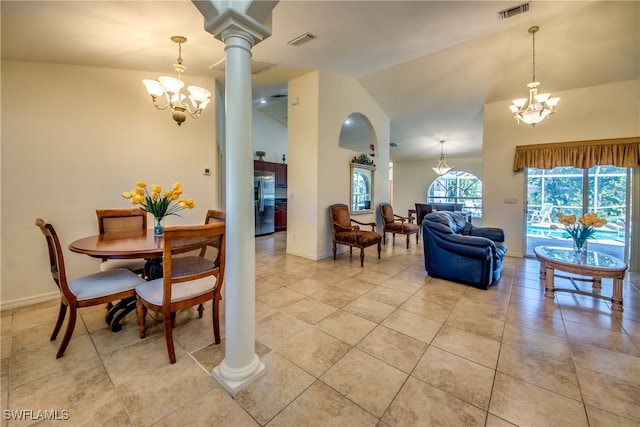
(538, 106)
(442, 167)
(171, 88)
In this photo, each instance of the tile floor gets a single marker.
(382, 345)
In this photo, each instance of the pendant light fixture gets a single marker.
(171, 88)
(537, 107)
(442, 166)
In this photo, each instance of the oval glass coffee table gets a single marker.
(596, 265)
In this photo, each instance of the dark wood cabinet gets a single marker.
(281, 175)
(281, 216)
(279, 169)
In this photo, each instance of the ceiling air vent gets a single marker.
(513, 11)
(302, 39)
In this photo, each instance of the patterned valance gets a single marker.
(620, 152)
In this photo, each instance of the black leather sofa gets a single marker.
(456, 250)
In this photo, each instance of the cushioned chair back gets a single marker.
(114, 220)
(387, 212)
(455, 222)
(340, 219)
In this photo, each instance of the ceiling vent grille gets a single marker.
(393, 144)
(302, 39)
(513, 11)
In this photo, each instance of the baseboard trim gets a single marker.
(21, 302)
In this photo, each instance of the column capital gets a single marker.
(233, 22)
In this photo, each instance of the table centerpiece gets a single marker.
(160, 206)
(581, 230)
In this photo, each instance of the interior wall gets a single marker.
(73, 139)
(411, 180)
(598, 112)
(268, 136)
(319, 170)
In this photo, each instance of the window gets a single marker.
(458, 187)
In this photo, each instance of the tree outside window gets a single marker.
(458, 187)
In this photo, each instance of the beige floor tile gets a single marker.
(532, 341)
(156, 395)
(31, 365)
(314, 351)
(84, 391)
(193, 332)
(616, 340)
(525, 404)
(470, 346)
(307, 286)
(536, 320)
(369, 309)
(461, 377)
(387, 296)
(40, 336)
(493, 421)
(419, 403)
(214, 408)
(355, 285)
(310, 310)
(432, 309)
(212, 355)
(277, 388)
(278, 328)
(476, 323)
(541, 369)
(588, 317)
(335, 296)
(619, 365)
(346, 326)
(264, 310)
(394, 348)
(371, 277)
(318, 406)
(44, 313)
(281, 297)
(599, 418)
(413, 325)
(365, 380)
(623, 397)
(401, 285)
(264, 286)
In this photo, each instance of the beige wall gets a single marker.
(598, 112)
(319, 171)
(73, 139)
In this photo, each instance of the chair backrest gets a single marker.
(186, 242)
(113, 220)
(215, 216)
(422, 209)
(56, 258)
(340, 218)
(386, 211)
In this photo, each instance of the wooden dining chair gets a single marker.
(114, 220)
(188, 278)
(95, 289)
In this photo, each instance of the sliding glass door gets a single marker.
(601, 189)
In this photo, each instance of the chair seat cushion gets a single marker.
(153, 291)
(364, 238)
(129, 264)
(104, 283)
(397, 227)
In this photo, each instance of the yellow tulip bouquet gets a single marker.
(581, 229)
(156, 204)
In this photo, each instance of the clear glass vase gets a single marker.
(580, 250)
(158, 228)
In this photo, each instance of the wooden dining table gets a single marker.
(133, 244)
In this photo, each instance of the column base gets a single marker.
(234, 380)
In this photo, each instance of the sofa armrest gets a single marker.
(493, 233)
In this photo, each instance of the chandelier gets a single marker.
(171, 88)
(538, 106)
(442, 167)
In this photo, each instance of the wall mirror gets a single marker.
(357, 135)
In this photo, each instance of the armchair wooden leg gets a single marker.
(407, 241)
(384, 238)
(69, 331)
(334, 250)
(61, 314)
(379, 250)
(417, 234)
(361, 257)
(200, 310)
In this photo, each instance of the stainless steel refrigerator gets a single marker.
(264, 192)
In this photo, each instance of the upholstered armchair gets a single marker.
(456, 250)
(344, 233)
(396, 224)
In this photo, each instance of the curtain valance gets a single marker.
(620, 152)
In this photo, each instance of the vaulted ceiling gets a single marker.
(431, 65)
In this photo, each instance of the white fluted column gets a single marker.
(241, 365)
